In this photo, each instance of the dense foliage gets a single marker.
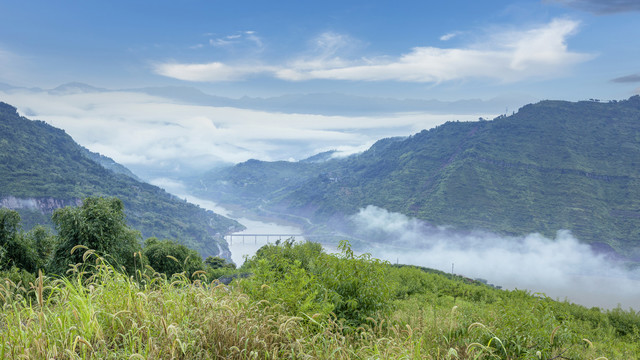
(42, 169)
(297, 302)
(550, 166)
(311, 283)
(421, 315)
(97, 227)
(31, 251)
(169, 257)
(99, 224)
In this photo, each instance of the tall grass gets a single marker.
(104, 314)
(99, 313)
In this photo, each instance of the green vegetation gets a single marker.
(390, 312)
(551, 166)
(42, 169)
(30, 251)
(98, 225)
(171, 258)
(309, 282)
(289, 301)
(117, 301)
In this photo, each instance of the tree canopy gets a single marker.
(99, 224)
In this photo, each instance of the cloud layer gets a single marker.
(154, 136)
(634, 78)
(561, 267)
(505, 56)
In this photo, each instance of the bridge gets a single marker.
(262, 237)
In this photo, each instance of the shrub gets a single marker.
(308, 281)
(358, 285)
(99, 224)
(169, 257)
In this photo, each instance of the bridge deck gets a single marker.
(255, 237)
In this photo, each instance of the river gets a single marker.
(240, 248)
(591, 289)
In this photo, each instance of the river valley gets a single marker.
(560, 268)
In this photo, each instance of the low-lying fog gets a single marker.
(560, 268)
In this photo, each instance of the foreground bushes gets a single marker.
(311, 283)
(301, 304)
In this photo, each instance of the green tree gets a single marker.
(169, 257)
(15, 249)
(43, 243)
(358, 284)
(307, 280)
(9, 225)
(216, 262)
(99, 224)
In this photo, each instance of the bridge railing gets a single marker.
(263, 237)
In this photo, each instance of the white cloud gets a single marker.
(449, 36)
(505, 56)
(150, 133)
(251, 36)
(509, 56)
(243, 40)
(242, 37)
(210, 72)
(561, 267)
(329, 44)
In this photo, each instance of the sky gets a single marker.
(476, 58)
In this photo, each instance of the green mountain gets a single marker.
(42, 169)
(552, 165)
(109, 164)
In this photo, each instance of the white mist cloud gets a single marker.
(149, 133)
(209, 72)
(238, 38)
(561, 267)
(508, 56)
(505, 56)
(449, 36)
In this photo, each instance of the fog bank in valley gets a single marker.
(562, 268)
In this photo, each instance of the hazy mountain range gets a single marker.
(306, 103)
(42, 169)
(551, 166)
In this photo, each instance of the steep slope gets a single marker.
(109, 164)
(42, 168)
(553, 165)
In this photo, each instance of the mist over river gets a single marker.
(561, 268)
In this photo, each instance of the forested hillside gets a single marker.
(552, 165)
(42, 169)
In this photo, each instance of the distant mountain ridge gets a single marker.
(552, 165)
(306, 103)
(42, 168)
(109, 164)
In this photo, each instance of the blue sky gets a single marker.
(409, 49)
(504, 54)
